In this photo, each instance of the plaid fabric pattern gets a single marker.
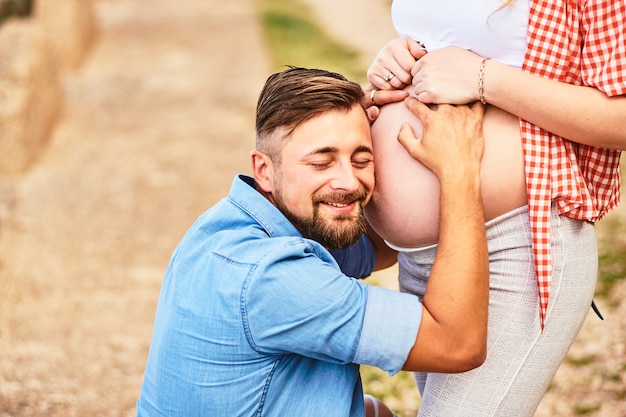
(582, 43)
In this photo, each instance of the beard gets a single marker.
(335, 232)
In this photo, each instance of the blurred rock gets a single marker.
(69, 26)
(34, 52)
(30, 94)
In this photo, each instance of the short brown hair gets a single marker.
(296, 95)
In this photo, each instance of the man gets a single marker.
(255, 317)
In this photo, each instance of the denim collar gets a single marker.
(243, 194)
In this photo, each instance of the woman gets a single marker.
(556, 70)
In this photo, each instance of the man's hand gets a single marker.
(452, 139)
(376, 98)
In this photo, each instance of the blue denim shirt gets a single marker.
(254, 320)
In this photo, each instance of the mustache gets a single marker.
(359, 195)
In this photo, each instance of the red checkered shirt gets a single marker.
(582, 43)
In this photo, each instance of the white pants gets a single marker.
(521, 359)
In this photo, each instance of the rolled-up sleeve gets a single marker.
(390, 326)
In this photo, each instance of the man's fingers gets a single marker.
(417, 107)
(407, 138)
(375, 98)
(478, 108)
(372, 113)
(381, 97)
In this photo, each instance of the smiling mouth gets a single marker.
(338, 205)
(342, 202)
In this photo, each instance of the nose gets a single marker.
(345, 178)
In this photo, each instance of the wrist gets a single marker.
(462, 180)
(481, 80)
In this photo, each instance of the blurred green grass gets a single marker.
(611, 250)
(294, 38)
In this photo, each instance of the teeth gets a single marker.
(340, 205)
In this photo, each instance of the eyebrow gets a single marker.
(332, 149)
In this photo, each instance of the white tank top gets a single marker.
(473, 25)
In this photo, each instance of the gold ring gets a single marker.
(372, 95)
(389, 77)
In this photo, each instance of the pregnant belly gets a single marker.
(404, 209)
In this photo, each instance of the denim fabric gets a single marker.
(254, 320)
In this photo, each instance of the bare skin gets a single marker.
(453, 332)
(405, 206)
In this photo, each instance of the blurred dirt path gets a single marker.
(156, 122)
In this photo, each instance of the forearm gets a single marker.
(460, 271)
(453, 332)
(580, 114)
(458, 289)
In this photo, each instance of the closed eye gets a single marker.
(362, 158)
(362, 162)
(320, 164)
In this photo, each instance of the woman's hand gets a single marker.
(447, 75)
(392, 66)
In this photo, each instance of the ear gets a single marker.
(262, 170)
